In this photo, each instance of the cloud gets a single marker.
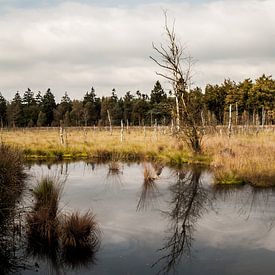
(72, 46)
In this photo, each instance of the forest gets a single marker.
(252, 103)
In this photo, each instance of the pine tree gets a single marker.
(42, 119)
(47, 106)
(3, 110)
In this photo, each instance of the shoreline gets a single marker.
(242, 159)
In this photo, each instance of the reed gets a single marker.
(149, 173)
(80, 231)
(12, 178)
(43, 219)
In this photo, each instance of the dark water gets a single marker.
(177, 224)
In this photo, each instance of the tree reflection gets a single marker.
(188, 203)
(247, 199)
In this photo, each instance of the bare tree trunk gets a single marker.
(263, 117)
(110, 122)
(144, 132)
(155, 129)
(177, 114)
(121, 131)
(237, 114)
(230, 121)
(85, 135)
(61, 131)
(127, 126)
(172, 126)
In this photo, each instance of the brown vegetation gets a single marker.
(43, 219)
(80, 231)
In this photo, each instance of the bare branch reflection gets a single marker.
(188, 204)
(247, 200)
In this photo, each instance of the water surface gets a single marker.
(179, 223)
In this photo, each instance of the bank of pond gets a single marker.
(131, 218)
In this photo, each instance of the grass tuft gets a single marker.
(80, 231)
(149, 173)
(43, 219)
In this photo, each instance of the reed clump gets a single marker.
(11, 167)
(75, 236)
(80, 231)
(12, 176)
(114, 168)
(43, 219)
(149, 173)
(12, 183)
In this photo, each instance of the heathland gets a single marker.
(246, 157)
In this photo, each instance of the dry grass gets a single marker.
(243, 158)
(80, 231)
(43, 221)
(247, 158)
(149, 173)
(99, 143)
(114, 167)
(12, 178)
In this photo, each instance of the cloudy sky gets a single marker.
(73, 45)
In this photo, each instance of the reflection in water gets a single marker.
(40, 250)
(158, 167)
(149, 190)
(11, 260)
(130, 240)
(114, 173)
(79, 258)
(247, 199)
(149, 193)
(187, 205)
(11, 222)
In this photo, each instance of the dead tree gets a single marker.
(176, 66)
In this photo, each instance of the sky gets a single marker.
(74, 45)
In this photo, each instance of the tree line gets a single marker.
(251, 102)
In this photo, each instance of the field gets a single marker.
(248, 156)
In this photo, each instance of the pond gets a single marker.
(177, 223)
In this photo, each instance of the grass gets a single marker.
(12, 184)
(252, 160)
(114, 167)
(12, 174)
(43, 219)
(149, 173)
(80, 231)
(243, 159)
(47, 194)
(76, 236)
(98, 144)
